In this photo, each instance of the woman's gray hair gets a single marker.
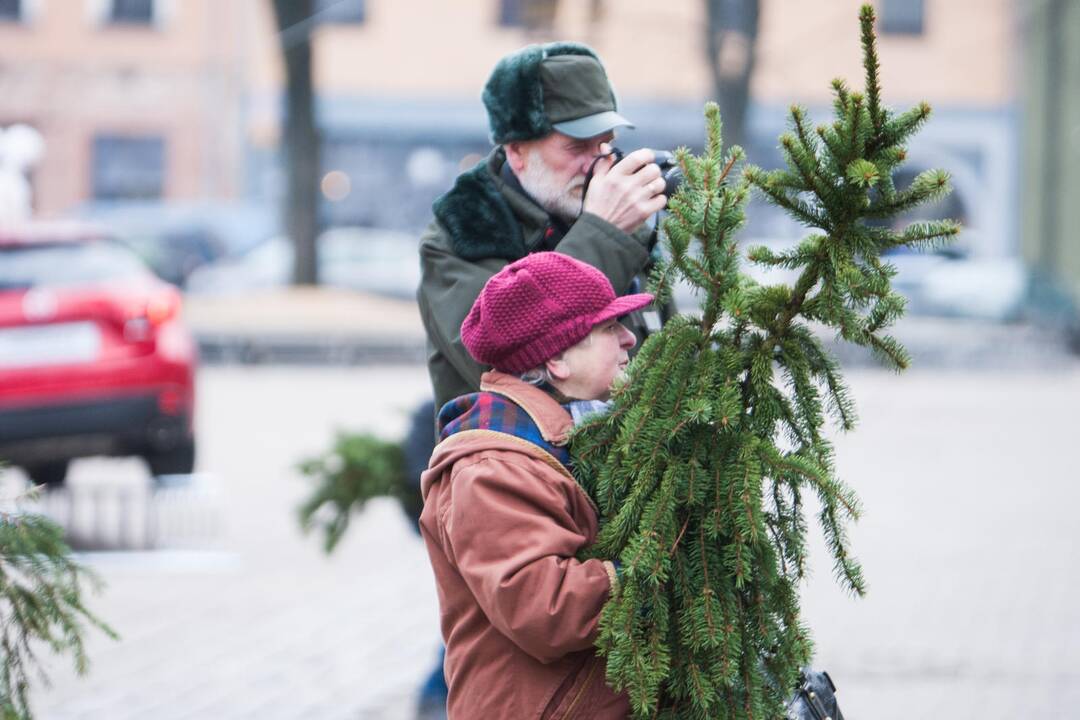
(537, 376)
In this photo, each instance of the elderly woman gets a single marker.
(503, 518)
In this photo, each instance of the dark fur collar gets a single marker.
(479, 220)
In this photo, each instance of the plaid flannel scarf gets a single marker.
(491, 411)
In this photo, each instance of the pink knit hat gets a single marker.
(538, 306)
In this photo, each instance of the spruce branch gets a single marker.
(840, 89)
(928, 186)
(927, 235)
(354, 470)
(42, 603)
(872, 67)
(899, 129)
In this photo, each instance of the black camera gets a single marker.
(669, 168)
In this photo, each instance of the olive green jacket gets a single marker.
(484, 223)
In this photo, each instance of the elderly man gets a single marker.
(552, 113)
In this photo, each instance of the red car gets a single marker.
(94, 357)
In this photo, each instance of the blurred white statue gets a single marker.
(21, 147)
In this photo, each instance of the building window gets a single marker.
(132, 12)
(902, 17)
(339, 11)
(535, 15)
(10, 11)
(128, 167)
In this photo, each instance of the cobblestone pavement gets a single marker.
(969, 541)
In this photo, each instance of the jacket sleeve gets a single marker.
(616, 254)
(514, 539)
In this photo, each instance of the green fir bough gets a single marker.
(41, 605)
(703, 467)
(355, 470)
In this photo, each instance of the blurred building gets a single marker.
(182, 99)
(399, 86)
(1051, 152)
(136, 99)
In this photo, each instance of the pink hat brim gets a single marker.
(622, 306)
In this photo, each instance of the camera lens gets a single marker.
(669, 170)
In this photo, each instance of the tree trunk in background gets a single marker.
(300, 139)
(731, 30)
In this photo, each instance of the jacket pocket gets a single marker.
(572, 698)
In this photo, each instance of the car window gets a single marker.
(66, 264)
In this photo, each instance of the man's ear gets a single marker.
(557, 367)
(516, 153)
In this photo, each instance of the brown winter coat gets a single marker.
(502, 521)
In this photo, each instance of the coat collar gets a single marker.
(550, 417)
(485, 217)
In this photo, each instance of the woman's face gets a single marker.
(593, 364)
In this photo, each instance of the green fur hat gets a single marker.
(556, 86)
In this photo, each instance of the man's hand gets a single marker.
(627, 193)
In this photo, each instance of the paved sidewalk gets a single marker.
(232, 635)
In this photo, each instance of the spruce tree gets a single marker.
(703, 468)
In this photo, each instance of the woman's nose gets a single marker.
(627, 339)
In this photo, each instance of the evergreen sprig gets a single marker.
(356, 469)
(702, 469)
(41, 605)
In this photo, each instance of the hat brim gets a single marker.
(622, 306)
(592, 125)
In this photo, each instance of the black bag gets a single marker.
(815, 699)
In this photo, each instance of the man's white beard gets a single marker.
(560, 201)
